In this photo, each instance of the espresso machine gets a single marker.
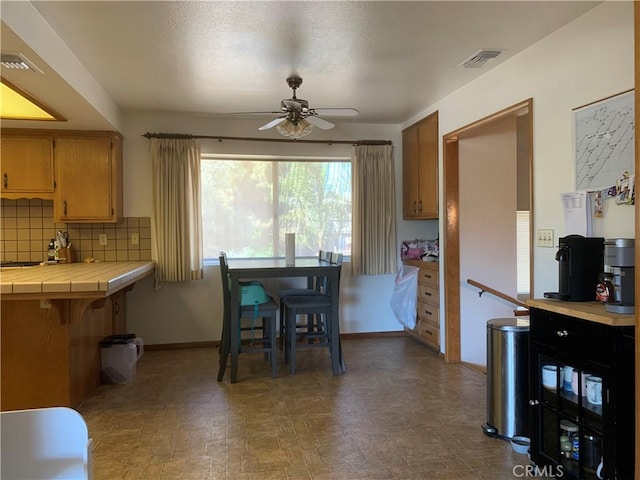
(620, 262)
(580, 262)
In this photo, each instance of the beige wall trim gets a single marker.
(216, 343)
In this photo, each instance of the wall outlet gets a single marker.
(544, 237)
(135, 239)
(102, 239)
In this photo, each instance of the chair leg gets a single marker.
(283, 335)
(224, 353)
(266, 335)
(291, 330)
(273, 344)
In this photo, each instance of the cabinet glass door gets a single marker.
(572, 426)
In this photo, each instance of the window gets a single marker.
(250, 203)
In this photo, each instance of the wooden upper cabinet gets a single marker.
(89, 179)
(420, 169)
(27, 166)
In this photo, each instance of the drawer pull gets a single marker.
(428, 312)
(426, 275)
(428, 331)
(533, 403)
(428, 294)
(562, 333)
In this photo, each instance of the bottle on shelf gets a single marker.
(51, 250)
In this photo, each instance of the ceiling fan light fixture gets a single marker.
(297, 130)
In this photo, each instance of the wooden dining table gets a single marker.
(252, 269)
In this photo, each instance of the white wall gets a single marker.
(587, 60)
(487, 177)
(192, 312)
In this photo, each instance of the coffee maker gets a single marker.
(620, 262)
(580, 262)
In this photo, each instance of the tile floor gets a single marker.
(398, 413)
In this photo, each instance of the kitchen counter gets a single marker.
(72, 280)
(52, 319)
(591, 311)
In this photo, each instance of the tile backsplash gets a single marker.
(27, 226)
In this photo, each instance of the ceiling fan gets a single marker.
(296, 118)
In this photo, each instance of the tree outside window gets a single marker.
(249, 205)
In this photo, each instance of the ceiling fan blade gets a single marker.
(254, 113)
(335, 112)
(319, 122)
(272, 123)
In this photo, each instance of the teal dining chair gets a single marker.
(257, 323)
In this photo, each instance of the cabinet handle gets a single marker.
(117, 305)
(533, 403)
(428, 294)
(64, 207)
(428, 312)
(414, 207)
(562, 333)
(426, 275)
(5, 180)
(420, 206)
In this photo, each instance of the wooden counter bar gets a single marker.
(52, 320)
(592, 311)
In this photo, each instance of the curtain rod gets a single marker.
(256, 139)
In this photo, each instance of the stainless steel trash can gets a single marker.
(507, 378)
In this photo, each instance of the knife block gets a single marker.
(66, 255)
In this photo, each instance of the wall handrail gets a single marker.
(483, 288)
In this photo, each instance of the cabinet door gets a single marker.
(420, 170)
(410, 173)
(27, 165)
(87, 179)
(428, 168)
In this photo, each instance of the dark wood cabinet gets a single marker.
(576, 432)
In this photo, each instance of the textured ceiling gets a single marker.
(389, 60)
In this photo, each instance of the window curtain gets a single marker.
(373, 249)
(177, 225)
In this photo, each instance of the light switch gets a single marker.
(544, 237)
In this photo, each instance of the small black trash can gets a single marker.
(507, 378)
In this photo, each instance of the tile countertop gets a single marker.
(73, 280)
(592, 311)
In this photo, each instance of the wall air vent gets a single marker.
(479, 58)
(17, 62)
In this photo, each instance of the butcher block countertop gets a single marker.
(591, 311)
(73, 280)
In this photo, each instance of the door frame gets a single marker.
(451, 195)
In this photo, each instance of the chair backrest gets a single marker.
(224, 277)
(51, 443)
(324, 256)
(336, 258)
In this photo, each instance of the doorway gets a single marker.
(487, 180)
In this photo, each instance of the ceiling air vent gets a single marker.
(479, 58)
(17, 62)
